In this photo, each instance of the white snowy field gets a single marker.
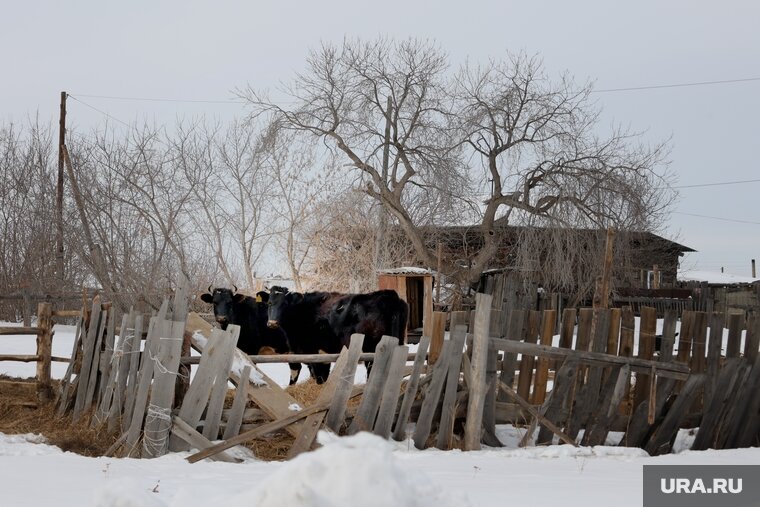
(360, 470)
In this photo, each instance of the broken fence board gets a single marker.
(365, 416)
(337, 411)
(268, 396)
(432, 395)
(158, 419)
(446, 427)
(180, 429)
(479, 360)
(235, 416)
(219, 385)
(305, 438)
(389, 402)
(399, 432)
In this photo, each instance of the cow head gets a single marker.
(223, 301)
(279, 300)
(338, 314)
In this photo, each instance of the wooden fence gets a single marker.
(43, 332)
(494, 367)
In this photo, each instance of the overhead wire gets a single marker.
(677, 85)
(717, 218)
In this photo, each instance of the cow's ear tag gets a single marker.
(259, 300)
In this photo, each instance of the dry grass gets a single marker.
(21, 413)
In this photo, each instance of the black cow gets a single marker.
(231, 307)
(304, 318)
(374, 314)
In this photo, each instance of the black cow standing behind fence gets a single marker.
(231, 307)
(317, 322)
(304, 317)
(374, 314)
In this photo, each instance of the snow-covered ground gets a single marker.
(360, 470)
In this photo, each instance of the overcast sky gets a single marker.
(202, 50)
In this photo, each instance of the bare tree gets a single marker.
(498, 142)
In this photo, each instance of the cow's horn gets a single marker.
(235, 288)
(209, 289)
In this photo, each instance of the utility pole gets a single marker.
(381, 248)
(59, 193)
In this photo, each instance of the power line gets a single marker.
(718, 218)
(100, 111)
(153, 99)
(716, 184)
(677, 85)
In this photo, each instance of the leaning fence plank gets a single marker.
(235, 417)
(88, 349)
(723, 394)
(480, 348)
(219, 385)
(319, 406)
(265, 392)
(121, 369)
(557, 407)
(310, 427)
(166, 365)
(130, 393)
(197, 396)
(66, 384)
(599, 423)
(743, 429)
(110, 377)
(660, 441)
(446, 427)
(389, 402)
(106, 364)
(95, 367)
(639, 429)
(399, 432)
(432, 395)
(588, 398)
(145, 376)
(536, 415)
(181, 429)
(367, 411)
(337, 411)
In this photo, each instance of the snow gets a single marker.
(359, 470)
(714, 277)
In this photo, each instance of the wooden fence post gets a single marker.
(44, 350)
(473, 426)
(437, 335)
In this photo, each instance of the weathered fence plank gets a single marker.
(446, 427)
(480, 350)
(389, 401)
(399, 431)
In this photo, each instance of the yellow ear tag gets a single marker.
(258, 299)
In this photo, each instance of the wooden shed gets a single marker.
(415, 286)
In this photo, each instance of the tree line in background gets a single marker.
(383, 155)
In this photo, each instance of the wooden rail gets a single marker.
(296, 358)
(5, 331)
(678, 371)
(44, 357)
